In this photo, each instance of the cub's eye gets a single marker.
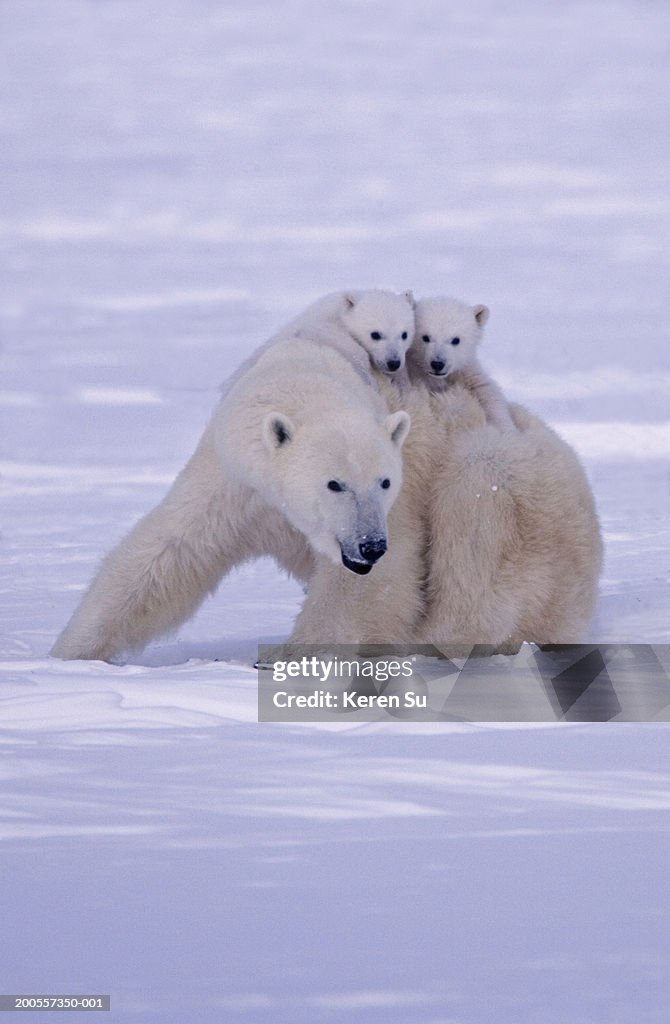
(455, 341)
(404, 335)
(376, 336)
(386, 483)
(426, 338)
(333, 485)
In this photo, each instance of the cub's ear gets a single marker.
(349, 300)
(398, 424)
(278, 431)
(481, 314)
(409, 295)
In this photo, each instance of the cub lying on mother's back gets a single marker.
(444, 352)
(370, 328)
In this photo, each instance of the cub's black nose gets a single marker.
(393, 365)
(437, 365)
(372, 550)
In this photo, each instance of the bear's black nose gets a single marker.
(437, 365)
(372, 550)
(393, 365)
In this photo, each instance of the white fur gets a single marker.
(257, 484)
(492, 539)
(514, 549)
(445, 351)
(347, 321)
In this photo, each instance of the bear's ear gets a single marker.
(398, 424)
(278, 431)
(481, 314)
(349, 300)
(409, 295)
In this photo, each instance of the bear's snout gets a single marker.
(393, 365)
(437, 365)
(361, 559)
(372, 550)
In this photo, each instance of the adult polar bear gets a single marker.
(504, 521)
(302, 458)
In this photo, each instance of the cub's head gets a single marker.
(446, 336)
(383, 323)
(336, 481)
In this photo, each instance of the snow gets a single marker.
(178, 180)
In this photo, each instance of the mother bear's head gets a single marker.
(336, 482)
(308, 436)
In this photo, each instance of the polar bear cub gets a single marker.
(444, 351)
(372, 327)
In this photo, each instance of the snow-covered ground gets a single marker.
(178, 178)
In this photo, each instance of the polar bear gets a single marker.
(492, 539)
(301, 459)
(371, 328)
(444, 350)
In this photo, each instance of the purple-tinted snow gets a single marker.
(178, 179)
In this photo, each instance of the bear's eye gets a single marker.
(455, 341)
(426, 338)
(333, 485)
(404, 336)
(386, 483)
(376, 336)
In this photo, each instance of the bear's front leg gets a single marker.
(160, 573)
